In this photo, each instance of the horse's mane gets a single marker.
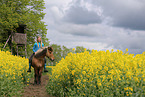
(40, 52)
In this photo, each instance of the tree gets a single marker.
(28, 12)
(62, 51)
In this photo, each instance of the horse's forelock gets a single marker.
(50, 49)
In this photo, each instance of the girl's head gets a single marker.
(39, 40)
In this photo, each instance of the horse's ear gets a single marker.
(50, 49)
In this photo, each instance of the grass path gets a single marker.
(37, 90)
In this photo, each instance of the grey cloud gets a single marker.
(133, 41)
(132, 21)
(127, 14)
(79, 15)
(91, 30)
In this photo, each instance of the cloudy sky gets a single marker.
(97, 24)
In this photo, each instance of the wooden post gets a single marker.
(7, 41)
(26, 46)
(25, 51)
(11, 48)
(17, 50)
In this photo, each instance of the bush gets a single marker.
(13, 74)
(4, 49)
(98, 73)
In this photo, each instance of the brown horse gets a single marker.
(38, 62)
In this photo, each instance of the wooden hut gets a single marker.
(19, 37)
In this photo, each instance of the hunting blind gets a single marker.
(20, 40)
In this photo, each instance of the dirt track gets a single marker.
(37, 90)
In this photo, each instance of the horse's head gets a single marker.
(49, 53)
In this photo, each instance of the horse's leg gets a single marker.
(40, 74)
(35, 81)
(36, 75)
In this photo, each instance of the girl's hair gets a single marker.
(40, 41)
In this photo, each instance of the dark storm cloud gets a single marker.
(79, 15)
(132, 21)
(122, 13)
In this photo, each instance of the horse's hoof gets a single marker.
(38, 83)
(35, 82)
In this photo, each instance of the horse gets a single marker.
(38, 62)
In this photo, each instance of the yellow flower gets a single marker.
(144, 79)
(101, 67)
(73, 49)
(127, 49)
(12, 66)
(127, 94)
(99, 84)
(84, 72)
(73, 71)
(83, 85)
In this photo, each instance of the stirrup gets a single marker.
(29, 70)
(45, 70)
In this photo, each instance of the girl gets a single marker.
(37, 46)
